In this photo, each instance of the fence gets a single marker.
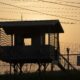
(5, 67)
(5, 40)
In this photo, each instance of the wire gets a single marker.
(70, 2)
(39, 0)
(59, 3)
(61, 11)
(68, 22)
(23, 20)
(26, 0)
(7, 19)
(38, 11)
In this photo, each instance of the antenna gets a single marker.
(21, 17)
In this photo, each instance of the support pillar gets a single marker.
(68, 57)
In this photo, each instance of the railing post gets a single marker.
(68, 57)
(11, 45)
(0, 36)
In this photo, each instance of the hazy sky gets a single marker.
(68, 12)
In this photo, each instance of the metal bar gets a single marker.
(68, 62)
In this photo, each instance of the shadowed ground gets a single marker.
(58, 75)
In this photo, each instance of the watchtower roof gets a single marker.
(46, 26)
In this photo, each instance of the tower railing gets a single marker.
(67, 65)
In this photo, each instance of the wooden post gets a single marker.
(10, 68)
(68, 57)
(11, 45)
(0, 36)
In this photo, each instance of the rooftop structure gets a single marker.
(38, 51)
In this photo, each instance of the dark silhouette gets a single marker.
(38, 51)
(56, 55)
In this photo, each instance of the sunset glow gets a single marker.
(43, 9)
(39, 38)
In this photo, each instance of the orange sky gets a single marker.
(56, 11)
(71, 33)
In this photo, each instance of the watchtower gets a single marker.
(38, 51)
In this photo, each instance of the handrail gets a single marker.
(68, 62)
